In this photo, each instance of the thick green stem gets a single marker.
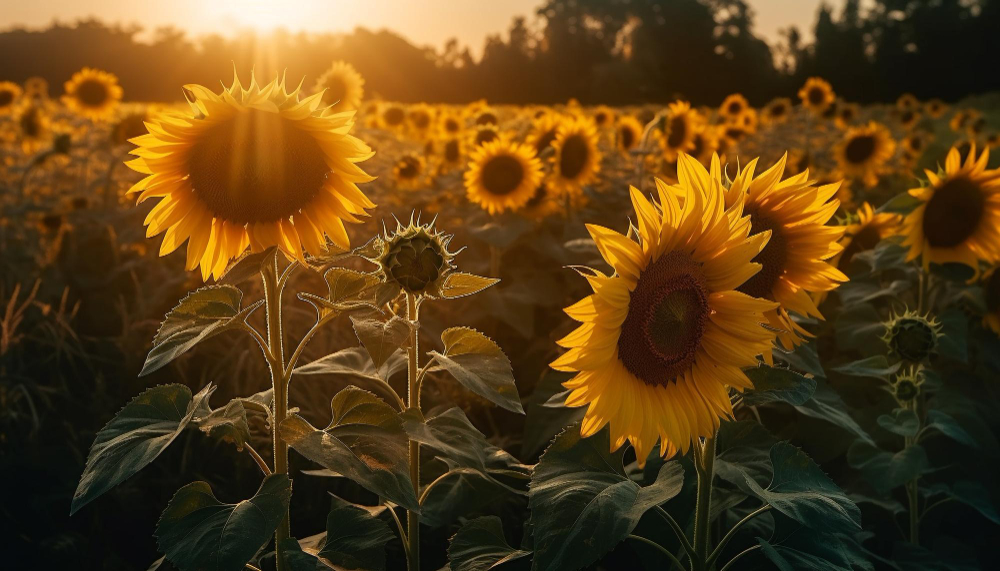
(279, 382)
(705, 465)
(913, 489)
(413, 401)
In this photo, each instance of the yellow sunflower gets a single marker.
(863, 151)
(502, 175)
(664, 338)
(679, 130)
(628, 134)
(452, 153)
(484, 134)
(908, 118)
(847, 113)
(795, 262)
(92, 93)
(33, 128)
(342, 87)
(959, 218)
(935, 108)
(866, 229)
(486, 116)
(991, 295)
(733, 106)
(409, 172)
(129, 126)
(543, 132)
(816, 94)
(604, 116)
(421, 120)
(450, 125)
(252, 166)
(543, 203)
(704, 145)
(9, 94)
(914, 144)
(777, 111)
(577, 160)
(393, 117)
(907, 101)
(962, 118)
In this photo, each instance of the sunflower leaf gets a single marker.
(480, 546)
(197, 532)
(202, 314)
(382, 338)
(135, 437)
(355, 539)
(479, 365)
(460, 284)
(773, 384)
(228, 423)
(901, 421)
(582, 502)
(248, 266)
(885, 470)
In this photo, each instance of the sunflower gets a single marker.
(992, 140)
(92, 93)
(908, 118)
(866, 229)
(748, 120)
(991, 293)
(449, 124)
(577, 160)
(678, 132)
(421, 120)
(393, 117)
(816, 94)
(795, 261)
(410, 172)
(452, 153)
(486, 116)
(603, 116)
(907, 101)
(543, 132)
(665, 336)
(935, 108)
(961, 119)
(628, 134)
(977, 126)
(543, 203)
(959, 218)
(914, 144)
(502, 175)
(129, 126)
(36, 88)
(733, 106)
(847, 113)
(730, 134)
(342, 87)
(252, 166)
(33, 128)
(704, 145)
(863, 151)
(777, 111)
(9, 94)
(484, 134)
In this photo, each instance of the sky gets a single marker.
(423, 22)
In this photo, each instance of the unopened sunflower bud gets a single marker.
(912, 336)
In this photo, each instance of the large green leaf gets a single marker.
(355, 539)
(480, 546)
(299, 559)
(886, 470)
(373, 455)
(355, 366)
(459, 284)
(202, 314)
(948, 426)
(544, 419)
(901, 421)
(582, 502)
(228, 423)
(771, 384)
(743, 448)
(135, 437)
(827, 405)
(874, 367)
(382, 338)
(353, 405)
(796, 548)
(197, 532)
(248, 266)
(480, 366)
(800, 490)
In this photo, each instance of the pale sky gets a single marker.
(423, 22)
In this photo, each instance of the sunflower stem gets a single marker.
(704, 462)
(279, 382)
(413, 398)
(913, 486)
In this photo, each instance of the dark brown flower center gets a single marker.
(667, 314)
(485, 136)
(778, 110)
(600, 118)
(816, 95)
(860, 148)
(772, 258)
(502, 174)
(421, 120)
(92, 93)
(336, 89)
(678, 131)
(735, 108)
(573, 157)
(627, 137)
(451, 126)
(6, 97)
(953, 213)
(409, 167)
(256, 167)
(394, 116)
(486, 118)
(451, 153)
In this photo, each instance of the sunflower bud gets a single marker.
(912, 336)
(416, 258)
(906, 387)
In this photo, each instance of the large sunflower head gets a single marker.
(796, 260)
(816, 94)
(251, 166)
(342, 87)
(502, 175)
(410, 172)
(863, 151)
(864, 231)
(777, 111)
(543, 132)
(958, 219)
(628, 134)
(92, 93)
(9, 95)
(733, 106)
(577, 160)
(681, 126)
(666, 335)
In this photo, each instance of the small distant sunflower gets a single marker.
(731, 134)
(628, 134)
(704, 145)
(992, 140)
(798, 160)
(962, 118)
(577, 160)
(450, 125)
(847, 114)
(393, 117)
(36, 88)
(914, 144)
(863, 151)
(777, 111)
(421, 120)
(452, 153)
(502, 175)
(130, 126)
(908, 118)
(663, 339)
(344, 87)
(816, 94)
(991, 294)
(748, 120)
(682, 123)
(543, 132)
(604, 116)
(33, 128)
(796, 260)
(9, 94)
(866, 229)
(733, 106)
(92, 93)
(486, 116)
(543, 203)
(935, 108)
(977, 126)
(409, 172)
(907, 101)
(250, 167)
(830, 113)
(484, 134)
(959, 218)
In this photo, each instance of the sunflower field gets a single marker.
(283, 324)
